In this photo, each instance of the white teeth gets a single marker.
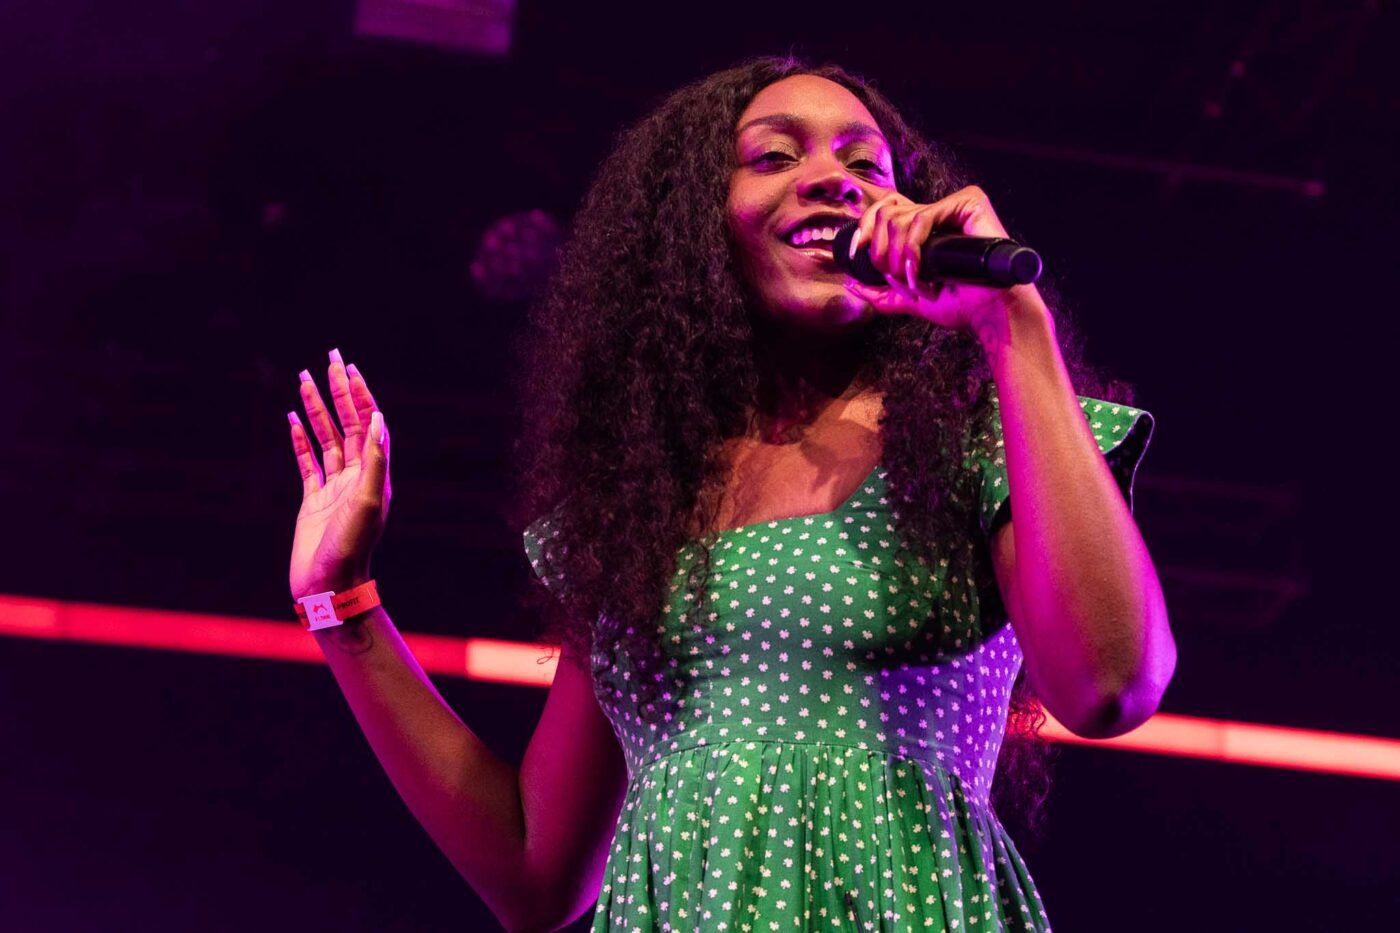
(808, 234)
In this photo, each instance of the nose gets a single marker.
(828, 180)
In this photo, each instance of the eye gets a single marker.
(773, 157)
(868, 165)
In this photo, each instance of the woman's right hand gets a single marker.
(343, 510)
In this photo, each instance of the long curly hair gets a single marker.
(640, 361)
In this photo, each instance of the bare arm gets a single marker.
(529, 841)
(1072, 567)
(572, 780)
(1073, 571)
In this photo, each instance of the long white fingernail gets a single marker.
(855, 241)
(305, 376)
(335, 357)
(376, 427)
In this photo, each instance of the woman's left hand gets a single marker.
(896, 228)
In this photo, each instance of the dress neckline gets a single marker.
(773, 522)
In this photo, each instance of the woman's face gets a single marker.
(810, 157)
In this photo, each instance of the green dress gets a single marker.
(829, 736)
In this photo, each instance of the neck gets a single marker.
(802, 372)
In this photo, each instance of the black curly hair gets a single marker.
(640, 362)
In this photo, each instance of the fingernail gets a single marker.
(305, 376)
(335, 357)
(855, 241)
(352, 370)
(292, 418)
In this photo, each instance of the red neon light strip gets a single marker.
(531, 665)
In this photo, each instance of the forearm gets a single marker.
(466, 797)
(1092, 623)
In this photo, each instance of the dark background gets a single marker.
(199, 200)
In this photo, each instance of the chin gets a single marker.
(819, 308)
(837, 311)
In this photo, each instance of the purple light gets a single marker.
(471, 25)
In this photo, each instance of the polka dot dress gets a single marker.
(829, 730)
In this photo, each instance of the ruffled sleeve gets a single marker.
(541, 530)
(1121, 431)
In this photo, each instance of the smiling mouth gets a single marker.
(813, 234)
(814, 238)
(818, 251)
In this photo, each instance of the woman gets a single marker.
(775, 517)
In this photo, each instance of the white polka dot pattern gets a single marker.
(1122, 433)
(827, 732)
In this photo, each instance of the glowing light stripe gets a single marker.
(522, 663)
(510, 662)
(1252, 744)
(92, 623)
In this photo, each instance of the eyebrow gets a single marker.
(788, 121)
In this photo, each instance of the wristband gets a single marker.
(324, 610)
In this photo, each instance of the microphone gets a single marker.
(948, 257)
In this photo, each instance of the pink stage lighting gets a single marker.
(533, 665)
(473, 25)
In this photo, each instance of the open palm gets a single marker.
(345, 500)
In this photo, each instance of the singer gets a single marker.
(810, 548)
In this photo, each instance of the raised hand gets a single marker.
(343, 508)
(896, 228)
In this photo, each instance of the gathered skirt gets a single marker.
(757, 836)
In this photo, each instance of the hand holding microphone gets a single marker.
(949, 262)
(957, 239)
(945, 257)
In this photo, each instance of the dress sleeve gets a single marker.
(1122, 433)
(535, 536)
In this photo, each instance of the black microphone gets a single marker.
(948, 257)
